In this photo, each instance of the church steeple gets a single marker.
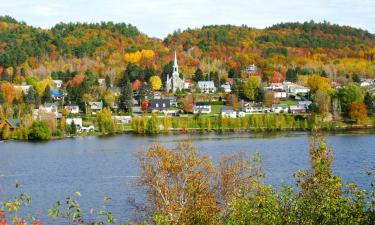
(175, 65)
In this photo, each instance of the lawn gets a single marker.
(215, 109)
(288, 102)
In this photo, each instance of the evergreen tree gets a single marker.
(291, 75)
(167, 70)
(107, 81)
(32, 97)
(126, 99)
(232, 73)
(198, 75)
(72, 128)
(47, 98)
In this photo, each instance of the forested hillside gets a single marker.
(339, 52)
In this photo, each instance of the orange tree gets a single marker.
(358, 112)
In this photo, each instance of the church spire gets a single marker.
(175, 65)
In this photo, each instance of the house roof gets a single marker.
(201, 104)
(56, 93)
(13, 123)
(226, 108)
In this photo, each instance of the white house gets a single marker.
(275, 87)
(76, 121)
(280, 94)
(304, 103)
(226, 88)
(251, 68)
(122, 119)
(297, 109)
(73, 109)
(228, 111)
(58, 83)
(280, 108)
(49, 108)
(255, 109)
(96, 107)
(295, 89)
(206, 86)
(201, 108)
(24, 88)
(366, 82)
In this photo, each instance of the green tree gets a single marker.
(39, 131)
(47, 97)
(291, 75)
(349, 94)
(32, 97)
(72, 128)
(126, 98)
(198, 75)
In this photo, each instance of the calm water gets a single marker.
(97, 167)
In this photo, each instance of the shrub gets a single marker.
(40, 131)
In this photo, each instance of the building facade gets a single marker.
(174, 82)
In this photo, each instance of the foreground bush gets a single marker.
(39, 131)
(184, 187)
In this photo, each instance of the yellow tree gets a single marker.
(251, 87)
(317, 82)
(155, 83)
(133, 57)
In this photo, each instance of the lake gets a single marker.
(101, 166)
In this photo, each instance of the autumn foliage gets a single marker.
(8, 91)
(358, 112)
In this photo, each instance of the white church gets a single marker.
(175, 82)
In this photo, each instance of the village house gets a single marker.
(367, 82)
(280, 108)
(57, 95)
(207, 86)
(24, 88)
(58, 83)
(95, 107)
(226, 88)
(160, 105)
(228, 111)
(122, 119)
(201, 108)
(295, 89)
(280, 94)
(188, 84)
(76, 121)
(48, 108)
(297, 109)
(255, 108)
(251, 69)
(11, 123)
(172, 100)
(72, 109)
(275, 87)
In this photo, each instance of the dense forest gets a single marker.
(339, 52)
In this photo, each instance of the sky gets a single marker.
(158, 18)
